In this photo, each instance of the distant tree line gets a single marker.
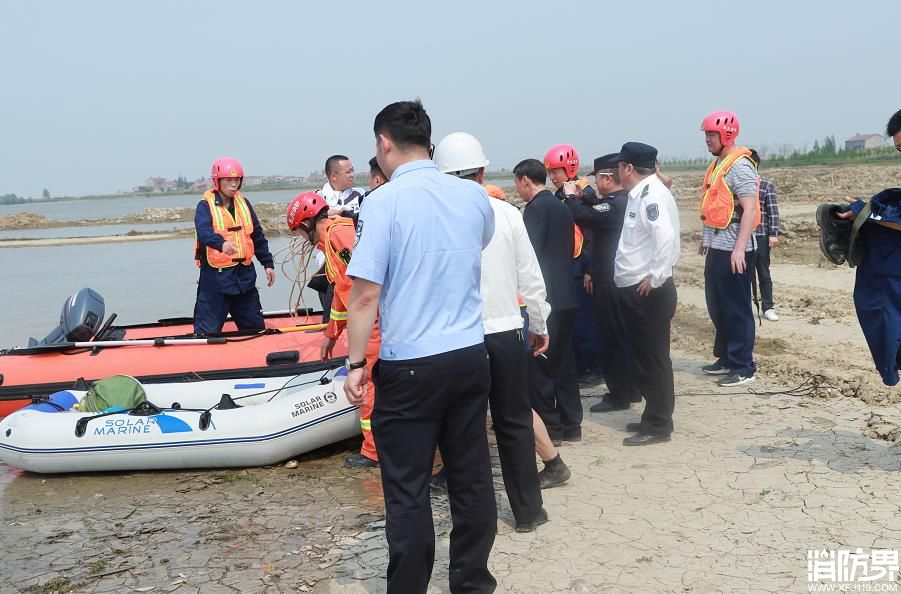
(13, 199)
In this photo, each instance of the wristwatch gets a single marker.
(351, 366)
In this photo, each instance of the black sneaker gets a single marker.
(715, 369)
(734, 379)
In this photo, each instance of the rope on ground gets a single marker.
(814, 385)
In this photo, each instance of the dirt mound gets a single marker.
(154, 215)
(26, 220)
(808, 184)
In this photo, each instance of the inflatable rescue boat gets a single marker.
(84, 347)
(202, 424)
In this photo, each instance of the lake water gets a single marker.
(141, 281)
(112, 208)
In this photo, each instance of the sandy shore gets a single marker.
(749, 483)
(62, 241)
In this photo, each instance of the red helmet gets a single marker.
(563, 156)
(225, 167)
(304, 207)
(724, 122)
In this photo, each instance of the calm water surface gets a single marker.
(141, 281)
(112, 208)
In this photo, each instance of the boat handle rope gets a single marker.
(147, 408)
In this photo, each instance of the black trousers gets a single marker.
(553, 384)
(762, 269)
(211, 309)
(647, 320)
(441, 401)
(511, 414)
(616, 351)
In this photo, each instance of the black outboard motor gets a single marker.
(79, 321)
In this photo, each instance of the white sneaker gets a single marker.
(770, 314)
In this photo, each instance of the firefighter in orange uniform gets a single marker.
(308, 215)
(228, 236)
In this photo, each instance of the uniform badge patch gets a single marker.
(359, 232)
(652, 211)
(602, 207)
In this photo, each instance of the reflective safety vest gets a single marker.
(236, 229)
(717, 199)
(337, 245)
(336, 261)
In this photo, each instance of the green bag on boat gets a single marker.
(117, 391)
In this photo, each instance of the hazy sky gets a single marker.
(97, 96)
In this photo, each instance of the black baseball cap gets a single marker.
(605, 162)
(638, 154)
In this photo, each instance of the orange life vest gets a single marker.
(717, 199)
(336, 261)
(579, 238)
(236, 229)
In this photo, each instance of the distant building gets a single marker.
(862, 142)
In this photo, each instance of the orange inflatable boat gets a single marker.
(82, 350)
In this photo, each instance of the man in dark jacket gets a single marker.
(553, 385)
(604, 219)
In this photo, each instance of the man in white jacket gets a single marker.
(509, 269)
(339, 191)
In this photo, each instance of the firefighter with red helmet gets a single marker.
(730, 212)
(228, 237)
(335, 237)
(562, 164)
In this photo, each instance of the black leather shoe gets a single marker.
(531, 526)
(573, 436)
(634, 427)
(359, 461)
(607, 405)
(640, 439)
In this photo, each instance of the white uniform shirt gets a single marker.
(349, 198)
(649, 244)
(510, 266)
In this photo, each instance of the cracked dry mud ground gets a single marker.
(749, 483)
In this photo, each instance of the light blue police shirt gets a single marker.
(421, 237)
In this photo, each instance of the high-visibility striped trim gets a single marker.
(366, 424)
(338, 315)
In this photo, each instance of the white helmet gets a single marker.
(460, 154)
